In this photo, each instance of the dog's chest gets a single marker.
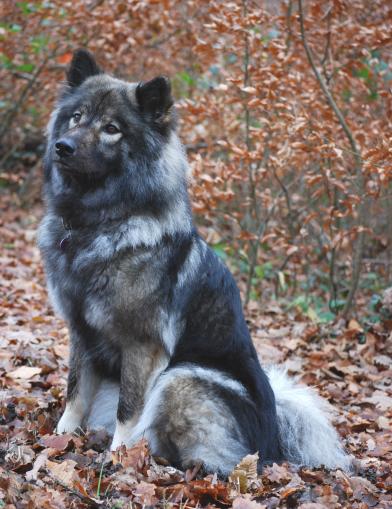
(106, 294)
(121, 298)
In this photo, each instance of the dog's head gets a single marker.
(103, 122)
(109, 134)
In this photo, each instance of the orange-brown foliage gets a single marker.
(277, 185)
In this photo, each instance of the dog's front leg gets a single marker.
(130, 402)
(82, 386)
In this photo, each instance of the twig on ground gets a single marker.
(87, 500)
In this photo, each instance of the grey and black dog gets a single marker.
(159, 344)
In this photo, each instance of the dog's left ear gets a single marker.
(154, 97)
(83, 66)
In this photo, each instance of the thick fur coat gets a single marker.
(159, 344)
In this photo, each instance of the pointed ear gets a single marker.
(82, 67)
(154, 97)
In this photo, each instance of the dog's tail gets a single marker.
(306, 434)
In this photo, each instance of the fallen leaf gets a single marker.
(371, 444)
(204, 487)
(145, 494)
(245, 472)
(65, 58)
(63, 472)
(135, 457)
(24, 372)
(10, 487)
(313, 505)
(380, 399)
(20, 455)
(39, 462)
(245, 502)
(58, 442)
(277, 473)
(364, 491)
(249, 90)
(384, 422)
(354, 325)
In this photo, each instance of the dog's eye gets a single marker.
(77, 116)
(111, 129)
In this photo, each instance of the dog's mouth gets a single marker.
(61, 163)
(71, 169)
(64, 164)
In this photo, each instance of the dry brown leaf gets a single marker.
(135, 457)
(245, 472)
(277, 473)
(354, 325)
(384, 423)
(380, 399)
(24, 372)
(58, 442)
(39, 463)
(20, 454)
(249, 90)
(364, 490)
(246, 502)
(61, 351)
(313, 505)
(63, 472)
(218, 490)
(10, 487)
(145, 494)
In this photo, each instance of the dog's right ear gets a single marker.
(154, 97)
(82, 66)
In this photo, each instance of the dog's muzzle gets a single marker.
(65, 147)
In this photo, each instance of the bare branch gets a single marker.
(359, 248)
(9, 117)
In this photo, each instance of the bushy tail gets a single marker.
(306, 433)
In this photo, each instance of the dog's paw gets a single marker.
(122, 434)
(116, 442)
(69, 422)
(119, 438)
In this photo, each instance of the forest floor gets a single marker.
(38, 469)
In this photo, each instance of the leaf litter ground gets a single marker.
(38, 469)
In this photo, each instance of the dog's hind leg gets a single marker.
(187, 420)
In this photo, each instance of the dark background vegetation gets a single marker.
(285, 112)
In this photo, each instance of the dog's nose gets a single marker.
(65, 147)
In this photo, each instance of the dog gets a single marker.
(159, 343)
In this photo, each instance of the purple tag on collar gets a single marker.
(64, 243)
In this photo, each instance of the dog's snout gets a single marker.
(65, 147)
